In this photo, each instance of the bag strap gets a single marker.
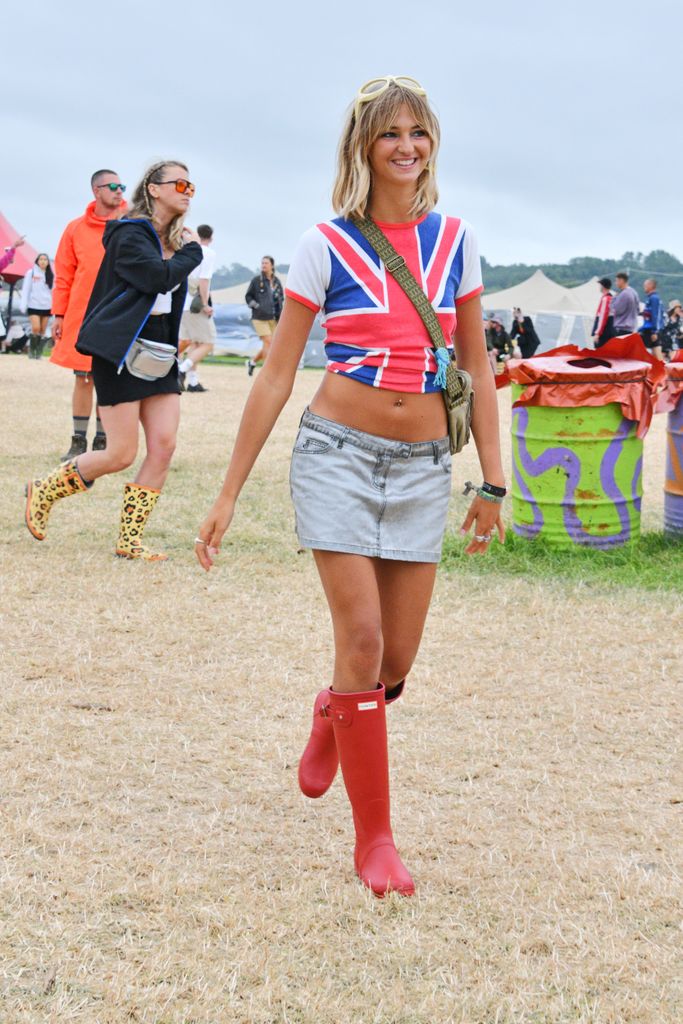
(396, 265)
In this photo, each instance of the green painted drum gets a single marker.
(577, 474)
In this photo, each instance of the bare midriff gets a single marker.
(398, 415)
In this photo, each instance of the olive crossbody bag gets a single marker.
(458, 394)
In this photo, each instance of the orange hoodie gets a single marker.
(79, 255)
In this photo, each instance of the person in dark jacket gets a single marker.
(498, 340)
(138, 294)
(653, 318)
(523, 334)
(671, 335)
(265, 297)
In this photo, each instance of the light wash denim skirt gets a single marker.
(368, 495)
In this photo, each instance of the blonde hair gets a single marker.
(142, 203)
(353, 183)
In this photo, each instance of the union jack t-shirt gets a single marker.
(374, 333)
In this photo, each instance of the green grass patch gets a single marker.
(233, 360)
(227, 360)
(654, 562)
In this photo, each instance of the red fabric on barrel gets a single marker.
(673, 385)
(621, 371)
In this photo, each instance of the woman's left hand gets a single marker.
(190, 236)
(486, 518)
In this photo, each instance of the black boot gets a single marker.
(79, 445)
(40, 346)
(33, 343)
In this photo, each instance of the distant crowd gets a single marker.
(620, 312)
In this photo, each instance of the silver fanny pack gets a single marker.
(150, 360)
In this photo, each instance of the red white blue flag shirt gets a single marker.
(374, 333)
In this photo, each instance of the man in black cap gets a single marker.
(603, 325)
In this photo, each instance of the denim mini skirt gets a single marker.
(367, 495)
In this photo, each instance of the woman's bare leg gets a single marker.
(350, 585)
(122, 425)
(405, 591)
(265, 340)
(159, 416)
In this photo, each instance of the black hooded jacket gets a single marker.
(132, 274)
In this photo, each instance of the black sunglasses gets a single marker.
(113, 186)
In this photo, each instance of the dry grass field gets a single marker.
(158, 864)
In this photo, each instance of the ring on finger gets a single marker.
(483, 538)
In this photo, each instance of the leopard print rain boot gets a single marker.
(138, 505)
(42, 494)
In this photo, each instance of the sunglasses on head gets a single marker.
(182, 185)
(113, 186)
(378, 86)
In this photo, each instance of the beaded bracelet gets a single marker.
(497, 499)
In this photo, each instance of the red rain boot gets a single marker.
(320, 760)
(360, 732)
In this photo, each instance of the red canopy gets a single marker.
(25, 256)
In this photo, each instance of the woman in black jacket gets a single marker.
(523, 334)
(265, 298)
(138, 294)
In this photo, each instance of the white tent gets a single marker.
(561, 315)
(587, 296)
(537, 292)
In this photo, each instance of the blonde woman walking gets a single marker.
(131, 331)
(371, 468)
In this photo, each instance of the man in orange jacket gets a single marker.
(77, 262)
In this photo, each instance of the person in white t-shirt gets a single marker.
(197, 329)
(36, 300)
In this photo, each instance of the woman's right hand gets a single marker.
(190, 236)
(208, 540)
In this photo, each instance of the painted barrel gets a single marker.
(577, 474)
(673, 486)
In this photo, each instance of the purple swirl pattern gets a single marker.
(673, 487)
(569, 462)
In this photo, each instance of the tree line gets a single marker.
(662, 265)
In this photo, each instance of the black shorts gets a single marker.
(113, 388)
(646, 334)
(38, 312)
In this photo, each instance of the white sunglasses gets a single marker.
(377, 86)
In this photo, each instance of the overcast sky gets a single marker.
(562, 130)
